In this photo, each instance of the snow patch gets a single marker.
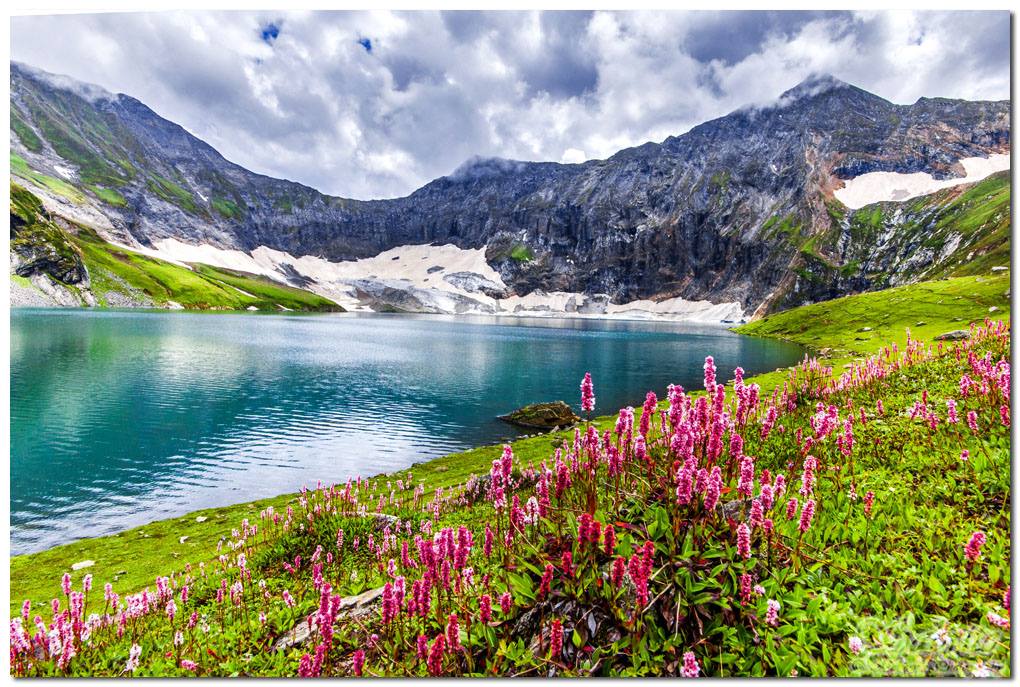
(414, 278)
(875, 187)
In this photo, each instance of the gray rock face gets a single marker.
(737, 209)
(475, 283)
(955, 335)
(351, 607)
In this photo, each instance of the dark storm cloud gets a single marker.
(374, 104)
(730, 36)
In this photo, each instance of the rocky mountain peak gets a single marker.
(739, 208)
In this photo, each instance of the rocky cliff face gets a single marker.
(737, 209)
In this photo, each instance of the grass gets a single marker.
(227, 208)
(25, 133)
(834, 328)
(113, 270)
(200, 288)
(109, 196)
(173, 193)
(521, 253)
(20, 168)
(943, 305)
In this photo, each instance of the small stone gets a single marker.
(82, 564)
(201, 518)
(955, 335)
(864, 329)
(921, 323)
(993, 309)
(999, 268)
(183, 539)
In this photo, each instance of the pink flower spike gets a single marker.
(587, 394)
(744, 540)
(690, 667)
(972, 550)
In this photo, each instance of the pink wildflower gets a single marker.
(609, 540)
(484, 608)
(690, 667)
(744, 540)
(543, 589)
(358, 663)
(973, 548)
(435, 658)
(806, 515)
(587, 394)
(856, 645)
(998, 620)
(617, 572)
(556, 639)
(772, 614)
(453, 632)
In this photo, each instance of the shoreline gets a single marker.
(649, 317)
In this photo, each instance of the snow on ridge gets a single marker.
(419, 270)
(876, 187)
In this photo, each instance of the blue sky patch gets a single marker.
(365, 43)
(270, 32)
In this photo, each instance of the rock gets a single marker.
(183, 539)
(955, 335)
(920, 324)
(251, 308)
(542, 416)
(201, 518)
(351, 608)
(435, 268)
(999, 268)
(994, 308)
(475, 283)
(83, 564)
(864, 329)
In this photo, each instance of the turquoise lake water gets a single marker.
(119, 418)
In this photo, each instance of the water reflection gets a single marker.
(119, 418)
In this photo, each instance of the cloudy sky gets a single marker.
(372, 105)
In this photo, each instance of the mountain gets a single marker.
(740, 208)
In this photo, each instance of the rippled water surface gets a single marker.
(121, 418)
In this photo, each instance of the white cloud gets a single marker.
(315, 105)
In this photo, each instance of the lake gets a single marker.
(119, 418)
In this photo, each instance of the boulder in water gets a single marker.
(542, 416)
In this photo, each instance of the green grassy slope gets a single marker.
(943, 305)
(115, 271)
